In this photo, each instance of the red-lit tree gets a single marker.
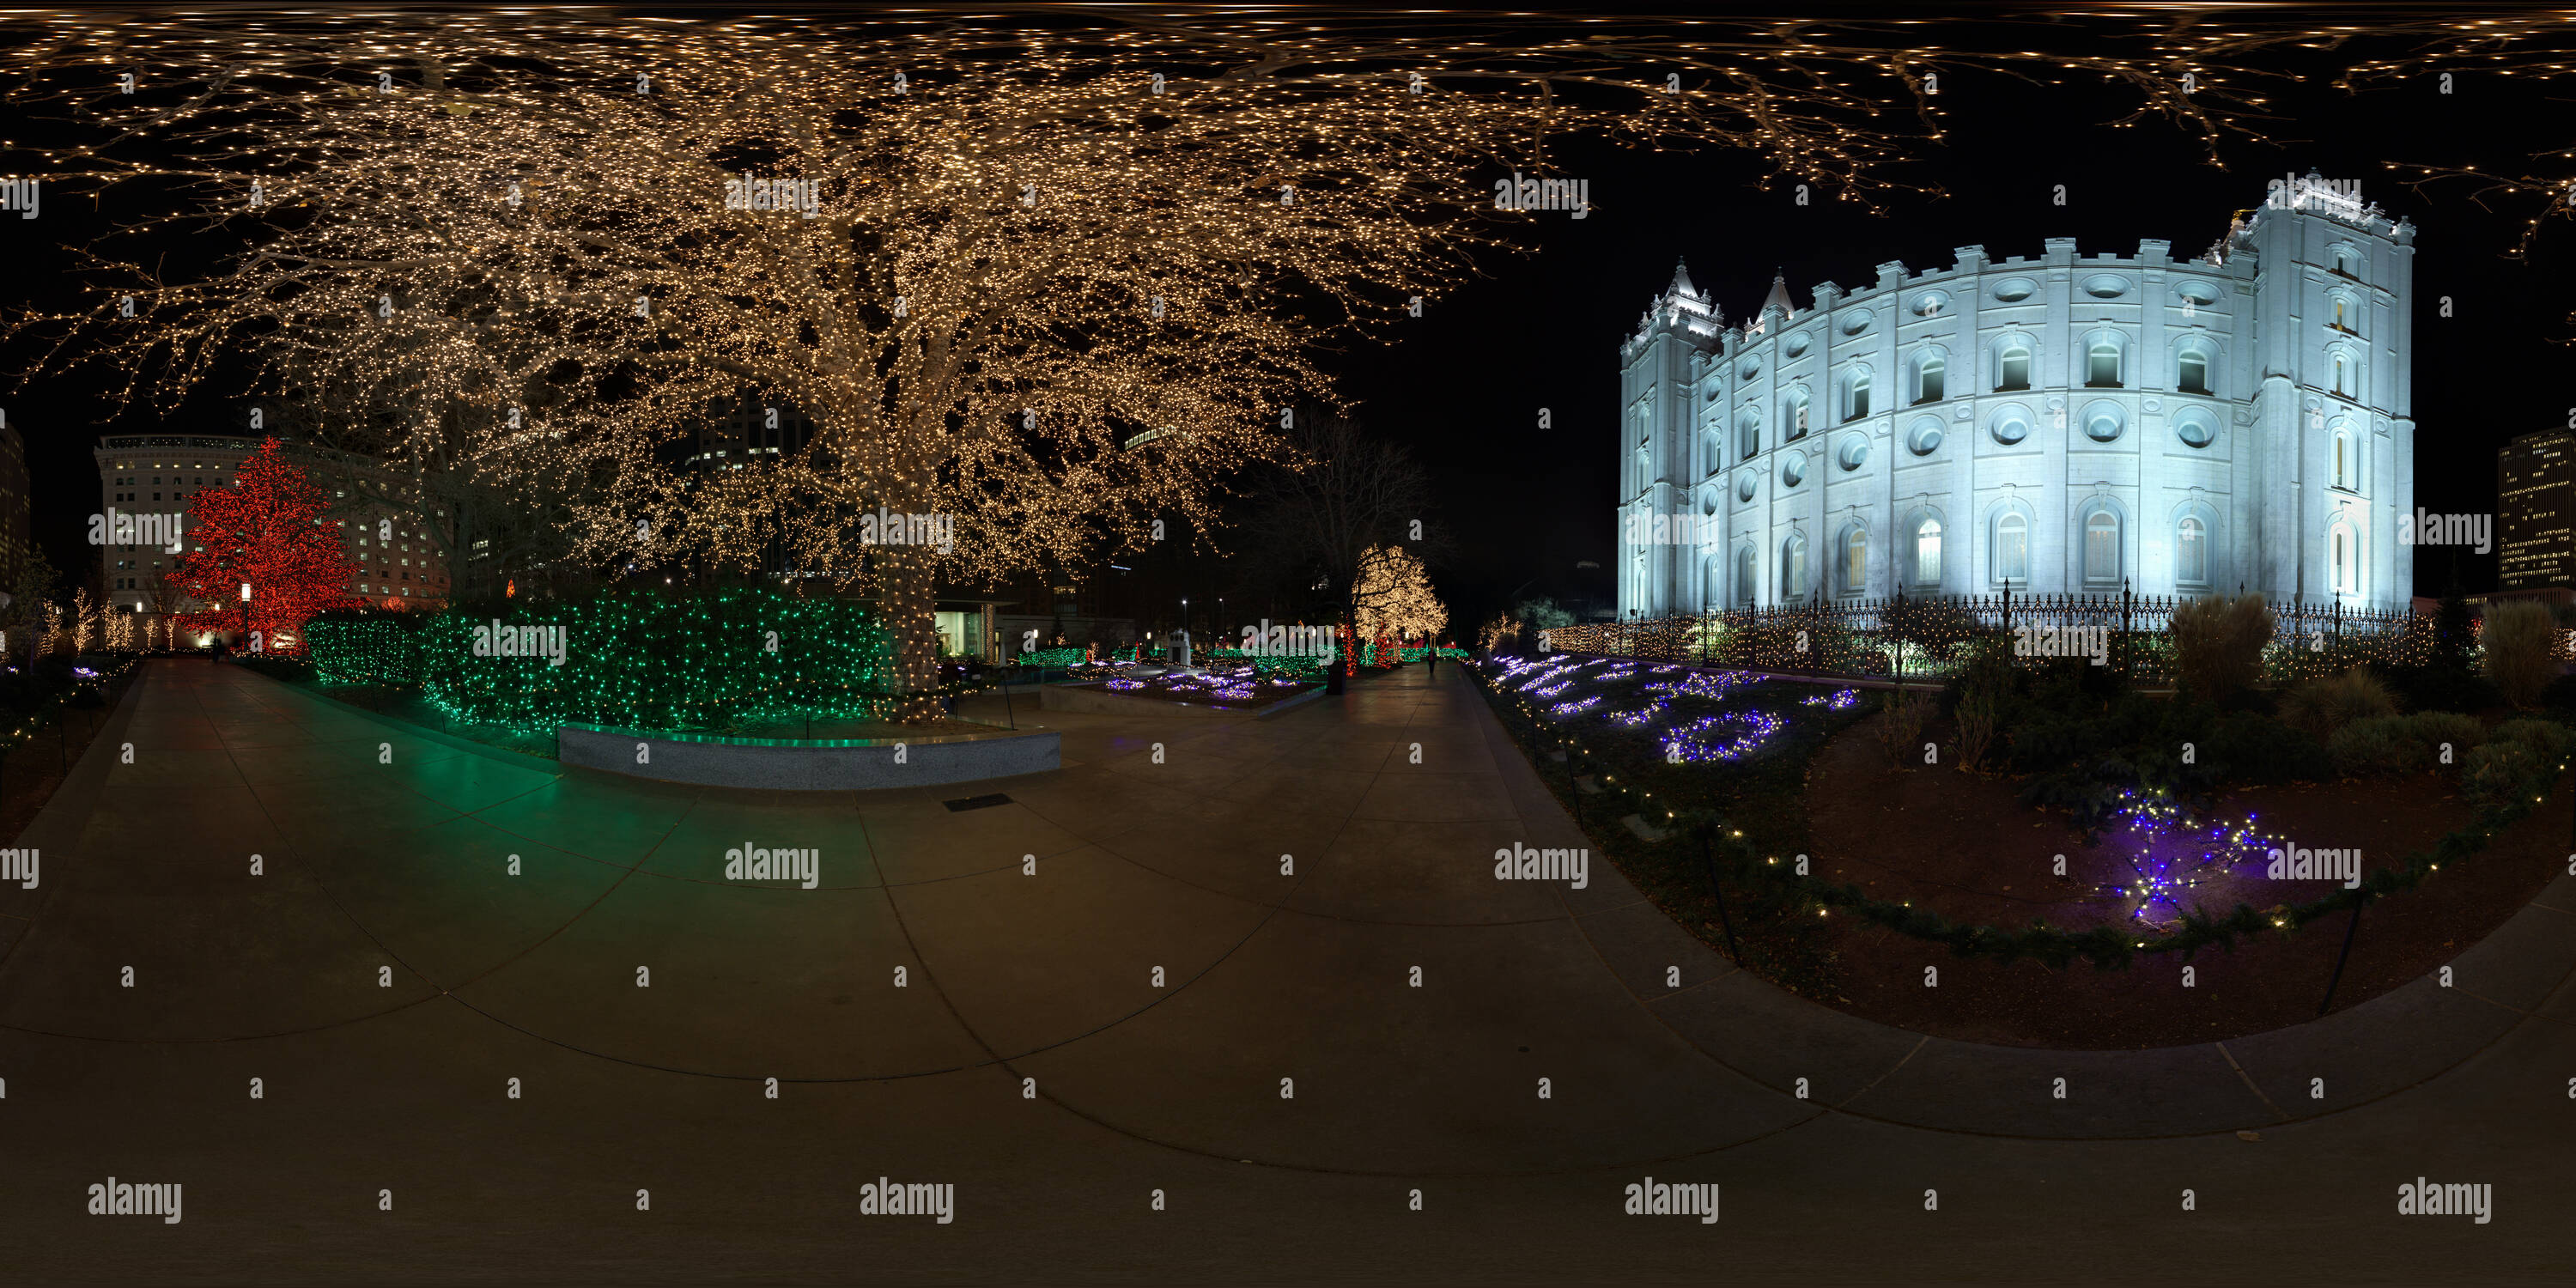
(266, 530)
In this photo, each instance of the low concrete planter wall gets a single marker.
(823, 765)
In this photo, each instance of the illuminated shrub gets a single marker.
(630, 659)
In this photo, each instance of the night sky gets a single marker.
(1463, 386)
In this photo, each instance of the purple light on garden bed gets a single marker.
(2192, 851)
(1124, 685)
(1569, 708)
(1706, 684)
(1839, 700)
(1730, 735)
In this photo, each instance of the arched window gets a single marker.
(2347, 459)
(2347, 261)
(1855, 561)
(2103, 369)
(1643, 478)
(1711, 590)
(2346, 553)
(1744, 580)
(2101, 548)
(2347, 374)
(1927, 552)
(2191, 371)
(1748, 436)
(2012, 366)
(2012, 548)
(1857, 405)
(2191, 552)
(1793, 568)
(1929, 375)
(1793, 415)
(2342, 311)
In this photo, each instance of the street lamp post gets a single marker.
(245, 614)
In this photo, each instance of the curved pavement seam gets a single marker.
(1492, 727)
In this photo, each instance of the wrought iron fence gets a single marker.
(1928, 636)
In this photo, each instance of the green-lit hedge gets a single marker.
(631, 659)
(365, 648)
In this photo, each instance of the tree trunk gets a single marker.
(908, 599)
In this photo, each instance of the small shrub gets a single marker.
(2319, 707)
(2380, 745)
(2218, 643)
(1977, 696)
(2259, 749)
(2559, 699)
(1979, 713)
(2547, 739)
(1900, 727)
(2503, 771)
(2520, 650)
(2436, 687)
(2437, 729)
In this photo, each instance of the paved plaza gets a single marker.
(1108, 984)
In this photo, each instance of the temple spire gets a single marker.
(1779, 296)
(1681, 280)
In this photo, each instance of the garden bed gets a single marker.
(1796, 769)
(1964, 846)
(1221, 689)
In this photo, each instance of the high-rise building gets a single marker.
(2536, 511)
(750, 430)
(152, 477)
(2066, 424)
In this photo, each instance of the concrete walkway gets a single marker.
(387, 977)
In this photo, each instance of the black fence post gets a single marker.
(1708, 859)
(1573, 788)
(2349, 928)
